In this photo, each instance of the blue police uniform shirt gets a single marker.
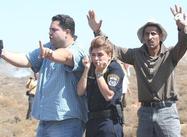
(56, 96)
(114, 78)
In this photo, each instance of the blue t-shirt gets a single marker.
(56, 97)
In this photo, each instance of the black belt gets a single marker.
(100, 114)
(158, 104)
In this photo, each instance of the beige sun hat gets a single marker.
(141, 29)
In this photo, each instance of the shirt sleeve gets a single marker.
(115, 80)
(78, 55)
(35, 60)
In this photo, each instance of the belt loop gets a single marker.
(163, 103)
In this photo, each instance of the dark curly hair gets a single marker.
(66, 22)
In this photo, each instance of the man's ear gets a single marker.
(161, 36)
(110, 55)
(68, 31)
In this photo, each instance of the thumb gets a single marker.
(100, 23)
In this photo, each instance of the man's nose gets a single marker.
(150, 36)
(50, 32)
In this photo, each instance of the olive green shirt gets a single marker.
(155, 75)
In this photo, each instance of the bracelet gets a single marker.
(97, 33)
(99, 74)
(185, 30)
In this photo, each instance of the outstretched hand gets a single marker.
(45, 52)
(180, 18)
(94, 25)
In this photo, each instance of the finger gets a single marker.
(88, 17)
(176, 9)
(92, 14)
(100, 23)
(102, 65)
(180, 9)
(172, 11)
(86, 58)
(89, 13)
(184, 16)
(41, 49)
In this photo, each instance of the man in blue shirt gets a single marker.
(62, 113)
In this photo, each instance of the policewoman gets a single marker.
(101, 82)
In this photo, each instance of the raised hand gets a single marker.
(86, 62)
(94, 25)
(45, 52)
(180, 18)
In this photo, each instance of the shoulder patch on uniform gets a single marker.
(112, 80)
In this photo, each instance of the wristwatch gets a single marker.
(99, 74)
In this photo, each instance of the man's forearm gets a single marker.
(18, 60)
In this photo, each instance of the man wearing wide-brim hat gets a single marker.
(154, 64)
(162, 31)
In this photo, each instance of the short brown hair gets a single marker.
(102, 42)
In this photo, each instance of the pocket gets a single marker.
(174, 112)
(118, 130)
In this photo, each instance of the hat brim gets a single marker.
(140, 31)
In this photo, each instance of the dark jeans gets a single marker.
(30, 102)
(103, 127)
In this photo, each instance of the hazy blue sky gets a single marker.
(23, 23)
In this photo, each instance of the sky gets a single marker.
(23, 23)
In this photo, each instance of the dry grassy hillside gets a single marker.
(13, 105)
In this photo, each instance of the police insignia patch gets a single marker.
(112, 80)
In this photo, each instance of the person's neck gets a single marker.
(65, 44)
(154, 52)
(69, 42)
